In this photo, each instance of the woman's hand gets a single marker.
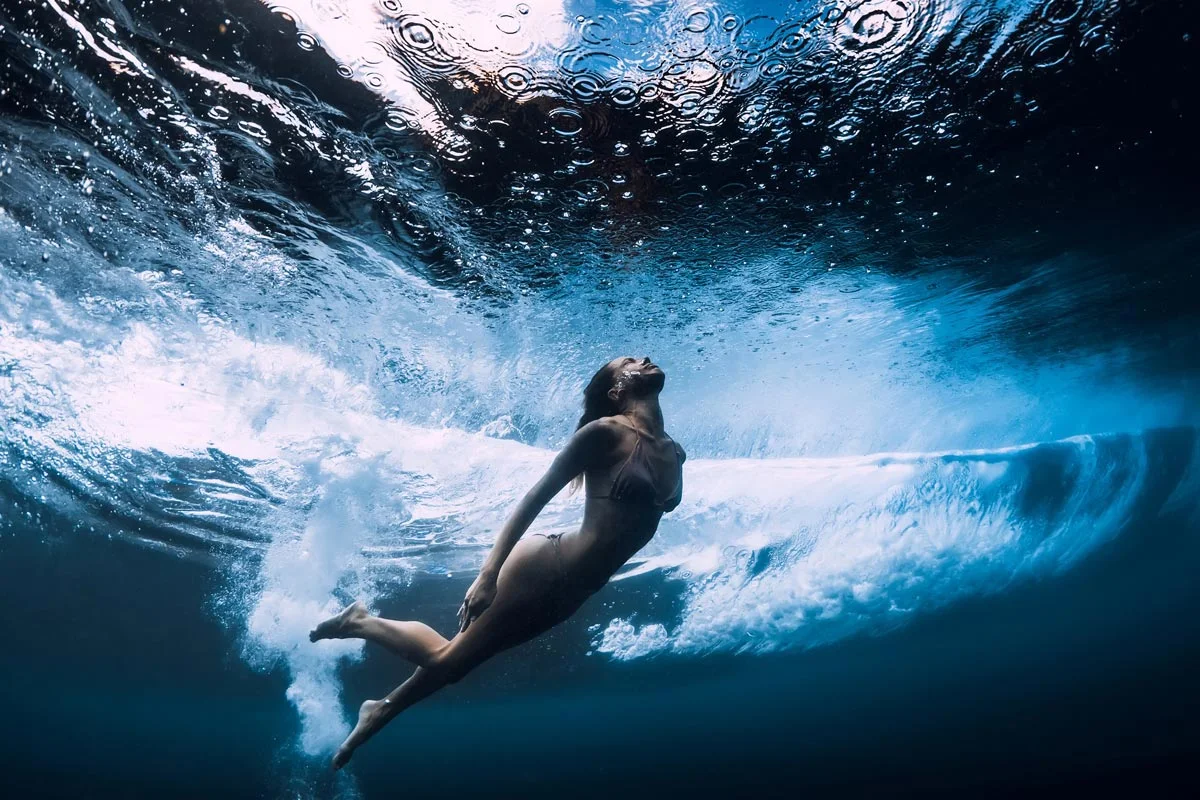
(479, 597)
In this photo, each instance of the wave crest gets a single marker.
(858, 546)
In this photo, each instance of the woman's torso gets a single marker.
(625, 502)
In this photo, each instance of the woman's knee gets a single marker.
(452, 664)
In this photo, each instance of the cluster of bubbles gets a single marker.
(528, 117)
(702, 75)
(547, 117)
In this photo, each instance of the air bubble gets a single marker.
(772, 69)
(624, 96)
(846, 128)
(794, 43)
(395, 121)
(422, 165)
(457, 148)
(1050, 52)
(874, 28)
(418, 35)
(253, 129)
(507, 23)
(514, 78)
(596, 31)
(1061, 12)
(565, 121)
(584, 87)
(698, 21)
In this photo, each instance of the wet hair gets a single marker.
(596, 404)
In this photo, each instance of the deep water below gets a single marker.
(1083, 680)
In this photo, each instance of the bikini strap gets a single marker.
(616, 478)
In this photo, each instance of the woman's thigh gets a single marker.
(530, 588)
(530, 599)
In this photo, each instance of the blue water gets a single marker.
(297, 301)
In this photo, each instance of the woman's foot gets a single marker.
(369, 718)
(340, 626)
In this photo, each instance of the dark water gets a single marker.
(296, 301)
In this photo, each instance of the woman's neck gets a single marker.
(646, 413)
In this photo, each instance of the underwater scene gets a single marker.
(299, 299)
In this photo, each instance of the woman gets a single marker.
(633, 473)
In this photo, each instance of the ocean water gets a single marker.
(297, 300)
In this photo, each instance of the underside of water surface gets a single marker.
(297, 300)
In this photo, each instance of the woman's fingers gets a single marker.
(466, 617)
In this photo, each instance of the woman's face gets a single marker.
(637, 376)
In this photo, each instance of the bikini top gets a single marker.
(635, 481)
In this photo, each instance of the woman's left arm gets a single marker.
(587, 445)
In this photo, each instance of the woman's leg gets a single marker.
(525, 606)
(415, 642)
(494, 630)
(374, 714)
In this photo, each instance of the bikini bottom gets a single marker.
(562, 596)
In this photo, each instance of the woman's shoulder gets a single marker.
(616, 424)
(604, 439)
(603, 429)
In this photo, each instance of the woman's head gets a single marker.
(616, 383)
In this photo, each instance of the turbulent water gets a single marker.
(296, 301)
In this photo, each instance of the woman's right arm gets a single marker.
(587, 446)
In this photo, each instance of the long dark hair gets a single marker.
(596, 404)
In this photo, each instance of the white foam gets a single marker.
(300, 574)
(860, 545)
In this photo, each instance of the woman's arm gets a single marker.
(589, 444)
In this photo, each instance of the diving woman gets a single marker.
(633, 473)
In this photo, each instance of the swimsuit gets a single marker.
(560, 578)
(634, 483)
(635, 480)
